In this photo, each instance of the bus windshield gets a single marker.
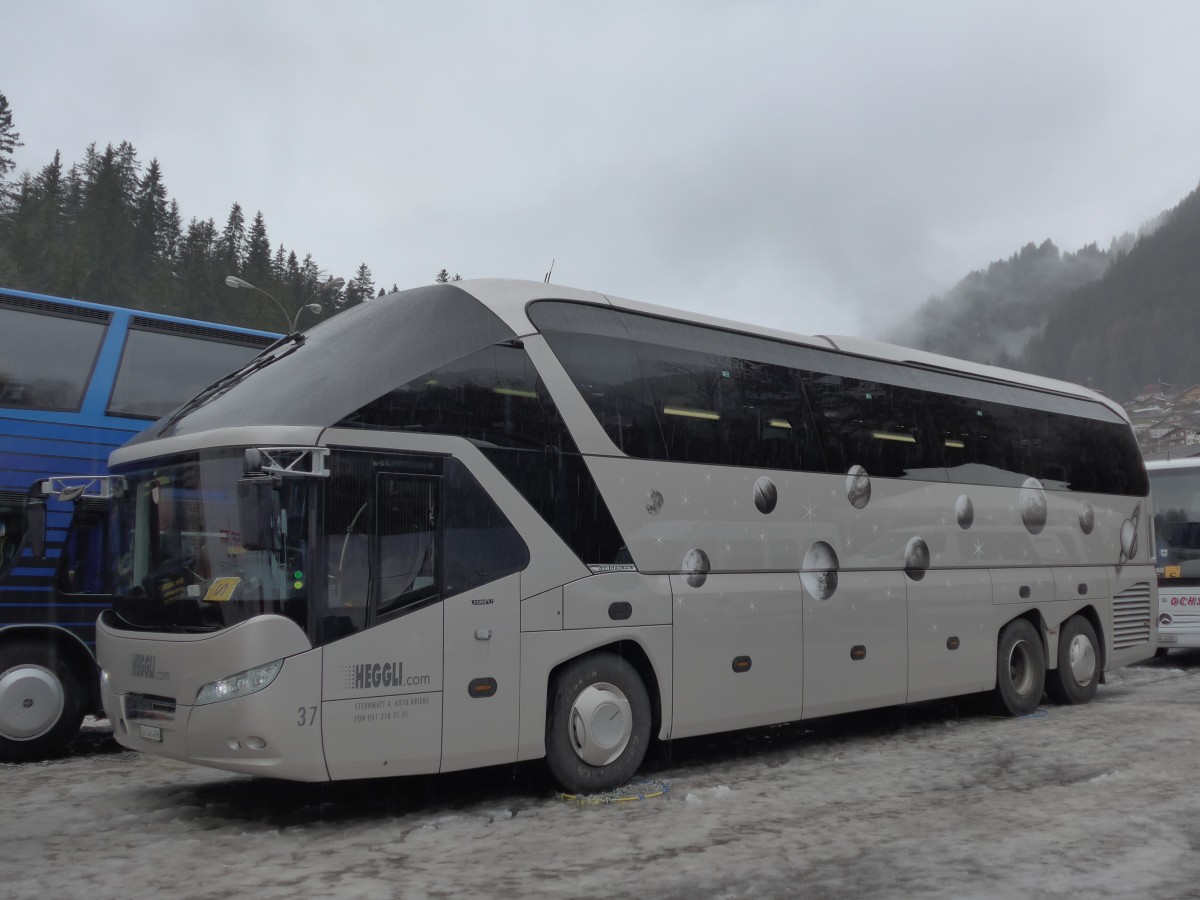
(178, 555)
(1177, 521)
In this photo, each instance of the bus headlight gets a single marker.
(240, 685)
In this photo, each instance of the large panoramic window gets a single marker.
(671, 390)
(161, 367)
(46, 354)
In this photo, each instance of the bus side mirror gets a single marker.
(35, 527)
(256, 508)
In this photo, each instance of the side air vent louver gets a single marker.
(1131, 616)
(48, 307)
(142, 323)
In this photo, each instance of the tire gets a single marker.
(1078, 673)
(1020, 669)
(41, 701)
(597, 725)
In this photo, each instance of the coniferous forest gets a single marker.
(1116, 320)
(105, 228)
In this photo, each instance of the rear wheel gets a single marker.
(1020, 669)
(1078, 672)
(41, 701)
(598, 724)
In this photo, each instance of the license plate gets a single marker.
(1167, 638)
(151, 732)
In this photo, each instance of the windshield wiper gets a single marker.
(224, 383)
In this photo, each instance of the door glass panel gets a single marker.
(406, 522)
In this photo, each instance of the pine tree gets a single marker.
(38, 227)
(361, 287)
(231, 245)
(151, 226)
(257, 265)
(104, 236)
(10, 140)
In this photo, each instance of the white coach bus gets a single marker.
(483, 522)
(1175, 497)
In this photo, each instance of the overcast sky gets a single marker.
(818, 167)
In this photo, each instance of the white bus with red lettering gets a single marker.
(1175, 496)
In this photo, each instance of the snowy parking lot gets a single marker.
(936, 800)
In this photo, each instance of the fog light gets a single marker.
(256, 743)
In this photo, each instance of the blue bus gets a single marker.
(77, 380)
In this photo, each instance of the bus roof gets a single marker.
(507, 298)
(351, 359)
(104, 307)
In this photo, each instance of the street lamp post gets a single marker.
(334, 283)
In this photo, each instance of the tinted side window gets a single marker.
(82, 565)
(670, 390)
(492, 396)
(12, 528)
(160, 370)
(884, 428)
(561, 489)
(479, 543)
(407, 546)
(1098, 456)
(989, 443)
(495, 398)
(46, 359)
(666, 402)
(607, 372)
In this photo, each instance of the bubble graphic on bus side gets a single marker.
(916, 558)
(820, 575)
(1129, 536)
(1087, 517)
(654, 502)
(766, 495)
(1032, 505)
(858, 487)
(695, 567)
(964, 510)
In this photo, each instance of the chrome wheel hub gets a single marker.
(600, 724)
(31, 701)
(1081, 656)
(1020, 668)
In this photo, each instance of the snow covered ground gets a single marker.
(940, 800)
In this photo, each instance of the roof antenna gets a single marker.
(546, 280)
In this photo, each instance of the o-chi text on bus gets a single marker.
(1175, 493)
(493, 521)
(76, 380)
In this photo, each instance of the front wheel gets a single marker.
(1078, 672)
(41, 701)
(597, 725)
(1020, 669)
